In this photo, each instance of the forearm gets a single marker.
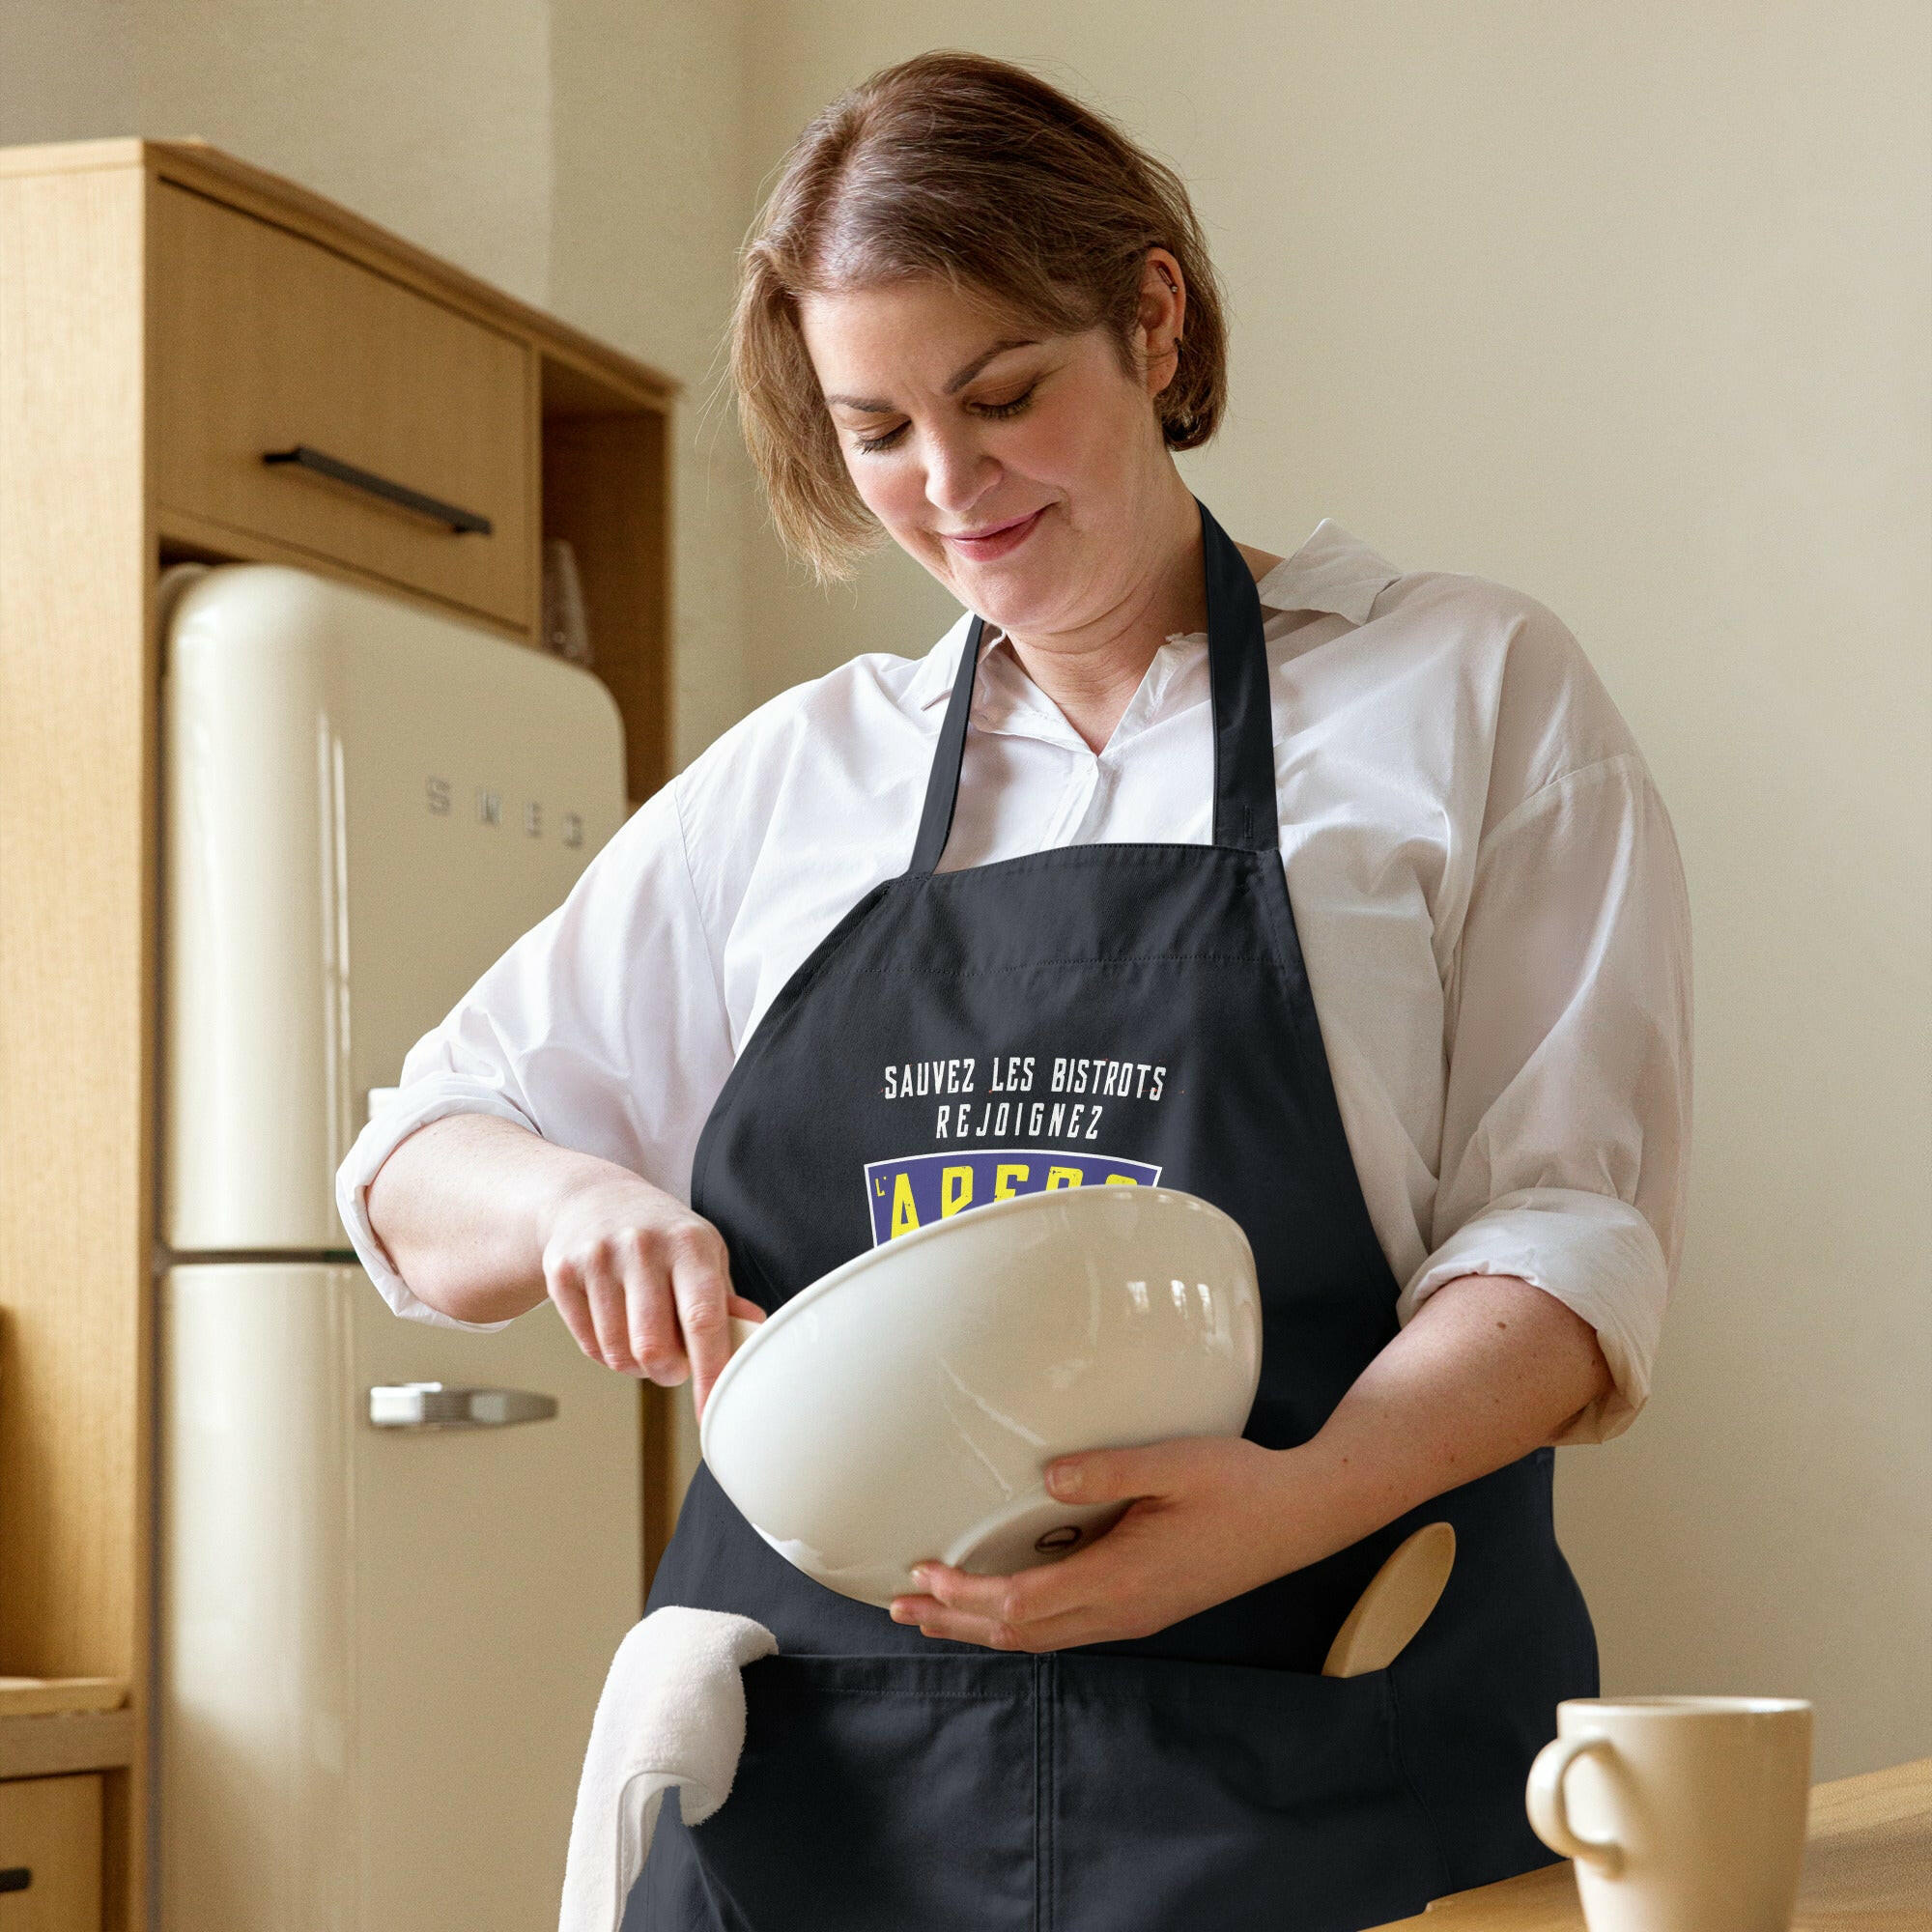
(1489, 1368)
(460, 1207)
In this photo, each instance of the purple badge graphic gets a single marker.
(916, 1189)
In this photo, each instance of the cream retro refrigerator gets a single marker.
(385, 1610)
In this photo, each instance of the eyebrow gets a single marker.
(955, 384)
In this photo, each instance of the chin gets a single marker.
(1007, 596)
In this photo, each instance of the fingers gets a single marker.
(1115, 1475)
(619, 1294)
(1060, 1632)
(637, 1332)
(1073, 1601)
(568, 1279)
(1200, 1527)
(643, 1284)
(700, 1285)
(566, 1290)
(1010, 1612)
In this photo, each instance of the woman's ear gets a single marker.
(1163, 308)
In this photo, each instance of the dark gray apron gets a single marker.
(1137, 1009)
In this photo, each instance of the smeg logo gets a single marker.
(440, 796)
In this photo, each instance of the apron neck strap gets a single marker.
(1244, 801)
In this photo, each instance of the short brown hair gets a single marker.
(960, 166)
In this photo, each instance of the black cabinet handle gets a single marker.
(458, 520)
(16, 1877)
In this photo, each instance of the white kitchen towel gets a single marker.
(673, 1712)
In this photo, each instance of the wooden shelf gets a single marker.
(58, 1696)
(604, 491)
(80, 1741)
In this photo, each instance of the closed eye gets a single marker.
(998, 411)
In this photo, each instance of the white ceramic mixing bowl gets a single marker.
(905, 1406)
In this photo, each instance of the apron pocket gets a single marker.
(1190, 1793)
(873, 1794)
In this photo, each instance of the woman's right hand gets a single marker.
(642, 1282)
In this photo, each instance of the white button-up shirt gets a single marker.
(1488, 894)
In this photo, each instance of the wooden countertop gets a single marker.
(1867, 1868)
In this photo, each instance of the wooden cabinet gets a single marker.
(50, 1854)
(169, 318)
(268, 344)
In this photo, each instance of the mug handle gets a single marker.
(1549, 1814)
(742, 1331)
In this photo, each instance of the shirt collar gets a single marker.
(1332, 571)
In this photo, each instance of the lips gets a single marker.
(998, 541)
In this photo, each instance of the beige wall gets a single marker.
(648, 205)
(1625, 306)
(406, 113)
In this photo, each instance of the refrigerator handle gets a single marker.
(442, 1405)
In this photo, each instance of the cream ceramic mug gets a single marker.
(1683, 1814)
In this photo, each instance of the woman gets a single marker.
(1445, 1090)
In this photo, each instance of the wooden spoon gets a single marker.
(1396, 1605)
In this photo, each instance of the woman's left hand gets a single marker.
(1211, 1518)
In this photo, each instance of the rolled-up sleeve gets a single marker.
(1567, 1113)
(601, 1029)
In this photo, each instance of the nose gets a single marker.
(958, 475)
